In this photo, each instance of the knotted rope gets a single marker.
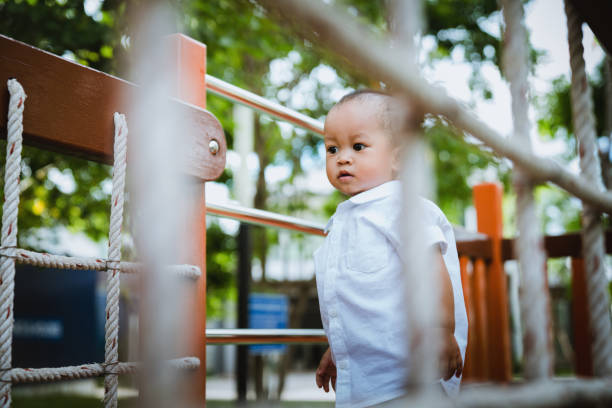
(592, 234)
(46, 260)
(534, 290)
(9, 231)
(32, 375)
(111, 355)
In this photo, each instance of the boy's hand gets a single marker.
(450, 361)
(326, 371)
(450, 356)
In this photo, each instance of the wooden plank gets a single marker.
(70, 109)
(480, 248)
(563, 245)
(583, 361)
(556, 246)
(596, 14)
(488, 203)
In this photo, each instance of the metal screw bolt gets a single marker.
(213, 146)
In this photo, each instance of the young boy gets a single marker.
(358, 268)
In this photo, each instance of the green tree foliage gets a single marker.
(220, 266)
(61, 27)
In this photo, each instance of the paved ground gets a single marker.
(299, 386)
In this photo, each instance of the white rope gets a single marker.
(30, 375)
(111, 354)
(592, 235)
(46, 260)
(9, 230)
(534, 293)
(544, 394)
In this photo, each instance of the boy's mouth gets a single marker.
(344, 175)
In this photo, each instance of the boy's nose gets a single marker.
(344, 158)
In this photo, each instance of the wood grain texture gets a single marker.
(70, 109)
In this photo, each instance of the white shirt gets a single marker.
(361, 297)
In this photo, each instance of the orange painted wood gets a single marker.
(70, 109)
(583, 362)
(466, 282)
(189, 57)
(479, 322)
(549, 315)
(488, 203)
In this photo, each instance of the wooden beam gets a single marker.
(581, 327)
(488, 203)
(475, 249)
(556, 246)
(596, 13)
(70, 109)
(189, 66)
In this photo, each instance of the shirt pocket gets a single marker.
(369, 250)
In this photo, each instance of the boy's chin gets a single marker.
(353, 192)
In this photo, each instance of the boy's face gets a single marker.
(359, 151)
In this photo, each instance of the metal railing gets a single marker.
(265, 336)
(264, 218)
(239, 95)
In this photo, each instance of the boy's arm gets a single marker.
(450, 355)
(447, 299)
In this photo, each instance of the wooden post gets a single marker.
(190, 59)
(479, 323)
(583, 359)
(466, 282)
(488, 203)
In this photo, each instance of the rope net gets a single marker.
(10, 254)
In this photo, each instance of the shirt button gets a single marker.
(332, 313)
(342, 365)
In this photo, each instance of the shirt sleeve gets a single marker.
(434, 236)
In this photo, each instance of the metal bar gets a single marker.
(265, 336)
(265, 218)
(236, 94)
(245, 253)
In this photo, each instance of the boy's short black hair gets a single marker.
(394, 116)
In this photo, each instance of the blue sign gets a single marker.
(59, 318)
(268, 311)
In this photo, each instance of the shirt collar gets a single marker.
(378, 192)
(381, 191)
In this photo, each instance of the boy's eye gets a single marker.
(358, 146)
(332, 149)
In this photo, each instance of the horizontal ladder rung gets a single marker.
(265, 336)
